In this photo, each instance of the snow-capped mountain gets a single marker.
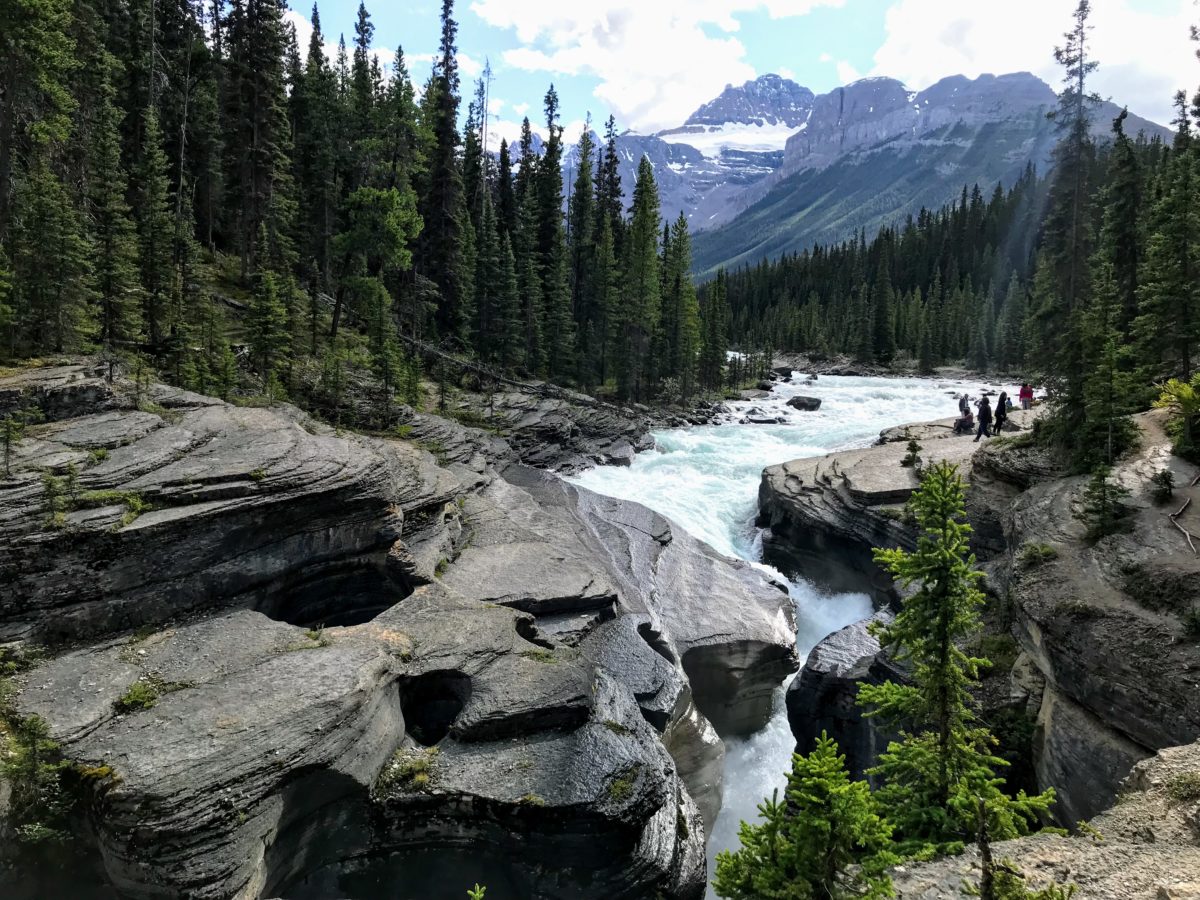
(768, 166)
(726, 146)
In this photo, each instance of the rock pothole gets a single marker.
(339, 596)
(432, 702)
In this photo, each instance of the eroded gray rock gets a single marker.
(316, 610)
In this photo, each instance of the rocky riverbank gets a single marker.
(1108, 659)
(290, 658)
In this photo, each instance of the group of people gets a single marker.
(990, 421)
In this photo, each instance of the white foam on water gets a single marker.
(705, 479)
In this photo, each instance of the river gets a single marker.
(705, 478)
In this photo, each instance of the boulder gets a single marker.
(735, 652)
(823, 697)
(807, 404)
(754, 394)
(555, 428)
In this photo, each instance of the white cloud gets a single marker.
(1144, 56)
(469, 66)
(656, 60)
(304, 31)
(785, 72)
(521, 109)
(846, 72)
(503, 129)
(825, 58)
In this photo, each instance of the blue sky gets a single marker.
(651, 62)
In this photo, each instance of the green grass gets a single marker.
(531, 800)
(540, 655)
(167, 415)
(1184, 787)
(144, 693)
(617, 727)
(1021, 441)
(408, 770)
(1033, 555)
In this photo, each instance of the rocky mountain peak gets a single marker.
(767, 100)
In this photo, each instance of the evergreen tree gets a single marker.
(558, 322)
(1169, 292)
(581, 236)
(883, 340)
(805, 844)
(490, 285)
(642, 289)
(315, 157)
(606, 289)
(681, 311)
(1067, 246)
(442, 210)
(51, 266)
(268, 334)
(380, 225)
(154, 232)
(114, 239)
(506, 200)
(35, 102)
(943, 763)
(716, 341)
(507, 339)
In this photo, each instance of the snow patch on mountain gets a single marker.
(714, 140)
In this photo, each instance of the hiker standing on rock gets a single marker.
(985, 419)
(1001, 411)
(1026, 396)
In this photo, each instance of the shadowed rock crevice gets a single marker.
(341, 594)
(657, 642)
(431, 703)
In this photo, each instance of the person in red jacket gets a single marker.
(1026, 396)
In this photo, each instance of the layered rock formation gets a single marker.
(304, 663)
(1107, 665)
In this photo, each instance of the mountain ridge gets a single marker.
(769, 166)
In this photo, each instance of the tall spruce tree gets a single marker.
(442, 209)
(944, 761)
(1065, 288)
(51, 266)
(641, 294)
(1169, 295)
(118, 290)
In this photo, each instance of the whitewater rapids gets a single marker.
(705, 479)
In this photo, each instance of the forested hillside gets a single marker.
(181, 183)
